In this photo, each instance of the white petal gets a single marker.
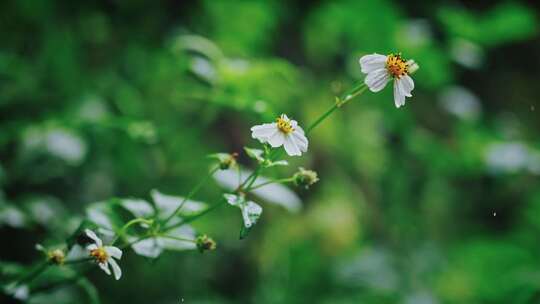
(407, 85)
(262, 132)
(377, 79)
(105, 267)
(399, 98)
(92, 247)
(116, 269)
(251, 213)
(291, 147)
(94, 237)
(300, 140)
(115, 252)
(277, 139)
(370, 63)
(299, 129)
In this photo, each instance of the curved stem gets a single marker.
(338, 104)
(196, 216)
(190, 195)
(129, 224)
(124, 228)
(177, 238)
(33, 274)
(280, 181)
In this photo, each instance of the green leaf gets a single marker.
(244, 232)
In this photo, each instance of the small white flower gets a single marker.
(104, 255)
(284, 132)
(250, 211)
(381, 69)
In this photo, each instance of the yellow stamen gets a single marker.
(99, 254)
(396, 65)
(284, 125)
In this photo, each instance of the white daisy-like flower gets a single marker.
(380, 69)
(104, 255)
(284, 132)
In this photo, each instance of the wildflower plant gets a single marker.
(117, 227)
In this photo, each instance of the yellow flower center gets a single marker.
(396, 65)
(99, 254)
(284, 125)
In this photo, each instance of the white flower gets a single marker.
(104, 255)
(381, 69)
(250, 211)
(284, 132)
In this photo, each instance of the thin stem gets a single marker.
(254, 177)
(33, 274)
(196, 216)
(338, 104)
(191, 194)
(280, 181)
(177, 238)
(124, 228)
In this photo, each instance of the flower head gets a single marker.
(205, 243)
(104, 255)
(284, 132)
(56, 256)
(381, 69)
(305, 178)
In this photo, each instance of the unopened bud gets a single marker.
(227, 161)
(56, 256)
(305, 178)
(204, 243)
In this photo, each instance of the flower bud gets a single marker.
(56, 256)
(226, 160)
(305, 178)
(205, 243)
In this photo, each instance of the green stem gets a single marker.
(70, 262)
(191, 194)
(33, 274)
(196, 216)
(338, 104)
(281, 181)
(356, 91)
(177, 238)
(124, 228)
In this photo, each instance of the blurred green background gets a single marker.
(437, 202)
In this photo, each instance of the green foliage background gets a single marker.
(437, 202)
